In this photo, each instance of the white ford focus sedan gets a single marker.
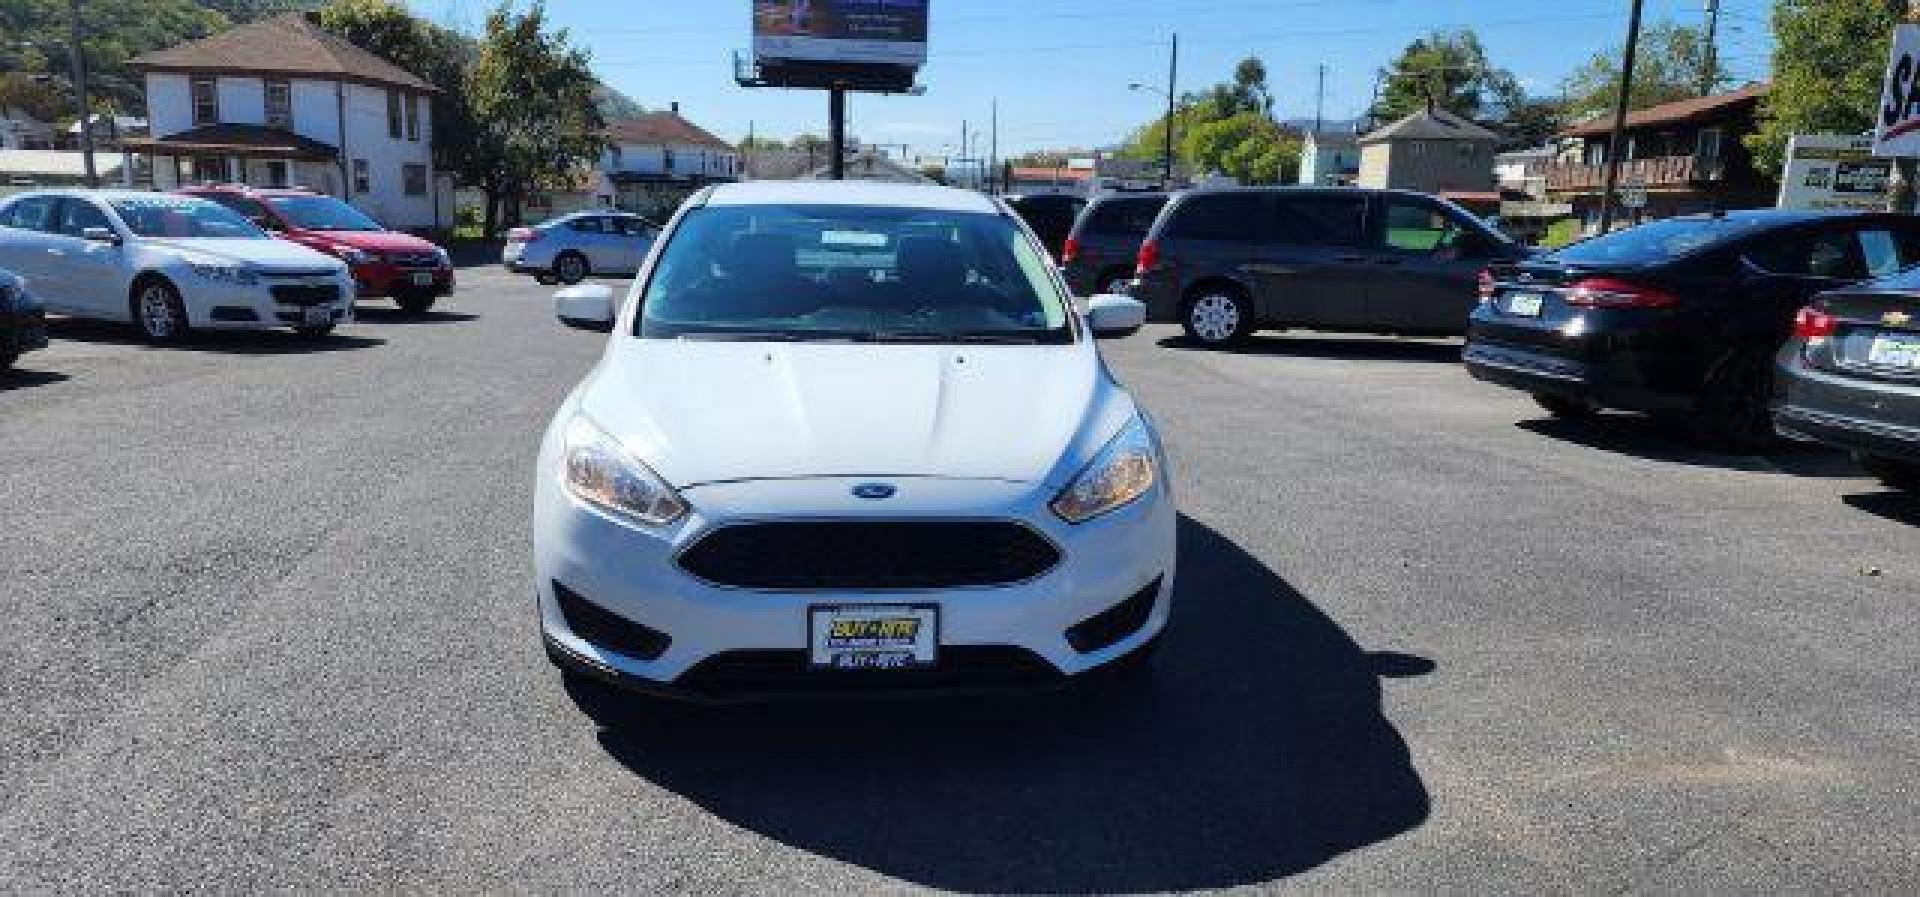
(849, 438)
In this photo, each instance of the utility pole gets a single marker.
(995, 184)
(1618, 143)
(1906, 169)
(837, 131)
(78, 55)
(964, 147)
(1320, 101)
(1173, 79)
(1709, 74)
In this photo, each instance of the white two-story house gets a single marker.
(659, 159)
(282, 102)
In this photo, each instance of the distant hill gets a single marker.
(1331, 125)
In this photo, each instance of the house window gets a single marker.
(277, 173)
(415, 179)
(206, 101)
(393, 114)
(280, 105)
(210, 169)
(667, 155)
(362, 182)
(1707, 149)
(413, 117)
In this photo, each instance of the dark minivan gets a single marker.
(1227, 262)
(1051, 215)
(1680, 318)
(1105, 243)
(1850, 377)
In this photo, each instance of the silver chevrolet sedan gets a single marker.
(572, 248)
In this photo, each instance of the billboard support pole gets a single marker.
(837, 130)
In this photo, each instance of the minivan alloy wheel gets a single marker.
(1215, 318)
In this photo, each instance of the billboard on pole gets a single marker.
(881, 32)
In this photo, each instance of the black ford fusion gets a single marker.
(23, 326)
(1679, 318)
(1850, 377)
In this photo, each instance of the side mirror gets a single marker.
(1113, 316)
(100, 235)
(585, 307)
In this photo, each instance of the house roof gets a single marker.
(237, 140)
(1333, 139)
(1052, 174)
(663, 129)
(55, 163)
(1431, 124)
(1676, 112)
(286, 44)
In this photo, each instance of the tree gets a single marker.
(761, 144)
(532, 94)
(1450, 69)
(1531, 123)
(436, 55)
(1227, 128)
(34, 40)
(1828, 60)
(1672, 59)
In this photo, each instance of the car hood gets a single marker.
(374, 241)
(268, 255)
(700, 412)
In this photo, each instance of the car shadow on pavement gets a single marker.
(228, 342)
(23, 378)
(390, 316)
(1899, 507)
(1643, 437)
(1257, 750)
(1358, 347)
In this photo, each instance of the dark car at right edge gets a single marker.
(1679, 318)
(1850, 377)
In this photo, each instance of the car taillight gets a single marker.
(1812, 323)
(1607, 292)
(521, 235)
(1486, 285)
(1070, 252)
(1149, 257)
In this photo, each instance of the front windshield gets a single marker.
(323, 213)
(184, 217)
(852, 272)
(1652, 243)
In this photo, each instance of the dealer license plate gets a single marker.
(423, 278)
(1526, 305)
(318, 314)
(873, 637)
(1894, 350)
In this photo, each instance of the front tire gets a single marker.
(159, 314)
(7, 360)
(571, 268)
(313, 332)
(1896, 474)
(1735, 412)
(1563, 408)
(1218, 318)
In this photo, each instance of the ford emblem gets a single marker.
(874, 491)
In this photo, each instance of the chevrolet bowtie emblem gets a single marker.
(1896, 319)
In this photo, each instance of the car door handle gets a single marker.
(1349, 259)
(1388, 262)
(1267, 269)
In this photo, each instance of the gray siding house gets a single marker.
(1433, 151)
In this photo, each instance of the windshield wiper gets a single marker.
(977, 337)
(741, 336)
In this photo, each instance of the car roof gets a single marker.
(103, 195)
(850, 193)
(1782, 217)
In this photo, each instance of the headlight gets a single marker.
(440, 255)
(1122, 472)
(354, 256)
(601, 473)
(237, 275)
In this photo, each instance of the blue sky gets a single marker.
(1060, 68)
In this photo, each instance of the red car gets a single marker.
(386, 264)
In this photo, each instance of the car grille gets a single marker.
(305, 294)
(776, 673)
(424, 260)
(870, 555)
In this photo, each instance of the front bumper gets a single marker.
(272, 304)
(1008, 633)
(383, 279)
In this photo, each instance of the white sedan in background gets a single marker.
(169, 264)
(571, 248)
(850, 438)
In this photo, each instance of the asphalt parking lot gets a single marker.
(269, 624)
